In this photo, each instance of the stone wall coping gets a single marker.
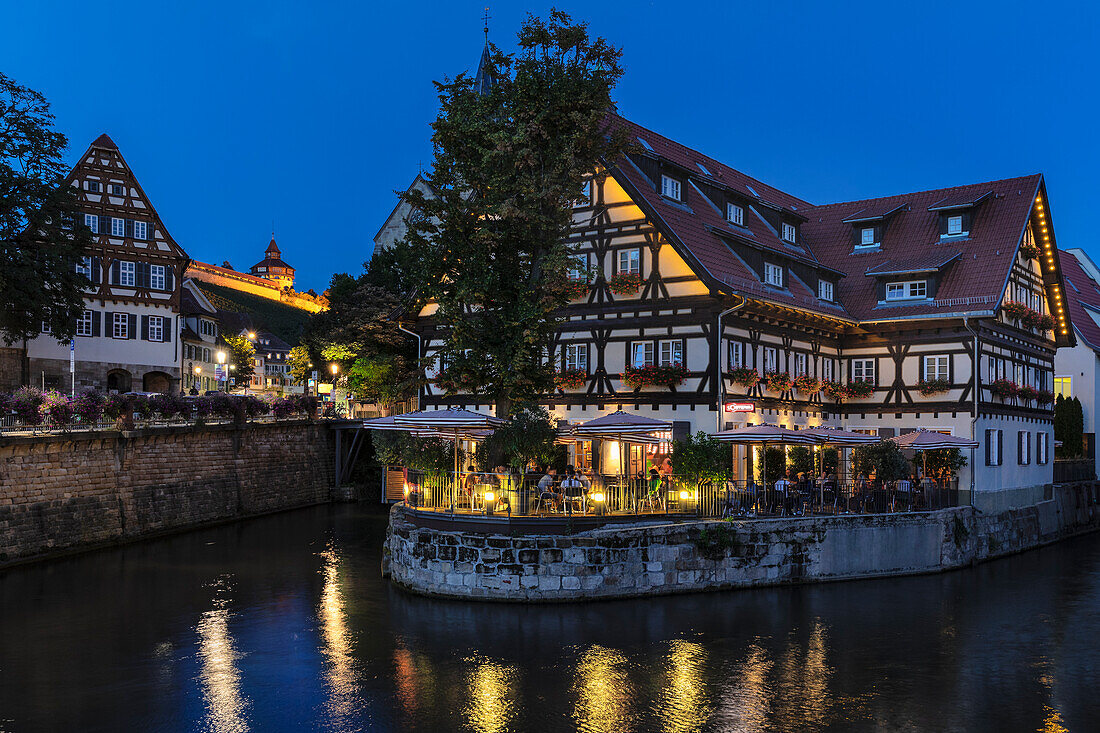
(88, 435)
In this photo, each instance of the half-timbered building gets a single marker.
(127, 337)
(714, 300)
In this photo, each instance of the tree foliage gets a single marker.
(490, 246)
(774, 467)
(301, 365)
(1069, 426)
(801, 460)
(431, 455)
(702, 458)
(884, 459)
(242, 356)
(940, 464)
(529, 437)
(41, 237)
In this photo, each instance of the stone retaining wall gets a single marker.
(657, 559)
(64, 492)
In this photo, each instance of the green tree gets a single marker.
(940, 464)
(700, 458)
(776, 465)
(41, 237)
(801, 460)
(1069, 426)
(884, 459)
(301, 364)
(529, 436)
(509, 161)
(242, 356)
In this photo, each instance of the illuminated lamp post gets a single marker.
(220, 356)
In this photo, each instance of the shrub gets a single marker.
(142, 406)
(116, 405)
(884, 459)
(283, 408)
(89, 407)
(701, 458)
(25, 403)
(204, 406)
(56, 406)
(166, 405)
(254, 407)
(801, 459)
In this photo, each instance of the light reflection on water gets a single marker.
(492, 691)
(341, 675)
(605, 696)
(226, 706)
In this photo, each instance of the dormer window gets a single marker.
(670, 187)
(735, 214)
(954, 225)
(907, 290)
(773, 274)
(788, 232)
(825, 290)
(867, 237)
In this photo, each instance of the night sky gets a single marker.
(234, 115)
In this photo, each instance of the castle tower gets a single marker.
(272, 267)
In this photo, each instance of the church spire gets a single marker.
(486, 75)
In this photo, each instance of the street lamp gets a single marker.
(251, 335)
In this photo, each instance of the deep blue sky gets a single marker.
(234, 114)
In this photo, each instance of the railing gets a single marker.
(1074, 469)
(502, 494)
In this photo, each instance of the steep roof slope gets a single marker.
(1083, 298)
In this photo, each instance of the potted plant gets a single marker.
(1029, 251)
(571, 378)
(778, 381)
(654, 376)
(56, 407)
(860, 389)
(807, 385)
(1045, 322)
(1045, 397)
(745, 377)
(25, 403)
(929, 387)
(625, 283)
(1015, 310)
(1003, 388)
(1027, 392)
(834, 390)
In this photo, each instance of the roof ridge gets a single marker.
(854, 202)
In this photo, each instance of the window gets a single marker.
(84, 267)
(672, 352)
(670, 187)
(1042, 448)
(118, 227)
(773, 274)
(1063, 387)
(156, 328)
(576, 357)
(736, 354)
(954, 225)
(800, 361)
(992, 447)
(139, 230)
(936, 367)
(629, 261)
(641, 354)
(120, 325)
(825, 290)
(735, 214)
(771, 359)
(117, 190)
(578, 267)
(827, 369)
(1023, 447)
(907, 290)
(788, 232)
(92, 222)
(84, 324)
(867, 237)
(863, 370)
(156, 277)
(46, 327)
(126, 274)
(93, 186)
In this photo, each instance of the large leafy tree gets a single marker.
(490, 247)
(41, 238)
(242, 356)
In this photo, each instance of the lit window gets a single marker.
(139, 230)
(735, 214)
(788, 232)
(156, 277)
(773, 274)
(156, 328)
(84, 324)
(118, 227)
(120, 325)
(863, 370)
(867, 237)
(641, 354)
(92, 222)
(1063, 387)
(576, 357)
(907, 290)
(93, 186)
(670, 187)
(630, 262)
(936, 368)
(954, 225)
(126, 274)
(825, 290)
(672, 353)
(736, 354)
(117, 190)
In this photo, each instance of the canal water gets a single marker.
(283, 623)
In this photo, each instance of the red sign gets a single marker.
(740, 407)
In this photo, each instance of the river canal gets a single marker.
(283, 623)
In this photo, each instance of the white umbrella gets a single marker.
(763, 435)
(624, 427)
(834, 436)
(454, 422)
(924, 440)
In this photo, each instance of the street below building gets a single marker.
(284, 623)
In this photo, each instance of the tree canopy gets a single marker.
(489, 246)
(242, 356)
(41, 238)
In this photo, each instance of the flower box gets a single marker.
(807, 385)
(745, 377)
(778, 381)
(834, 390)
(933, 387)
(860, 389)
(1016, 310)
(571, 379)
(573, 289)
(1027, 393)
(654, 376)
(1029, 251)
(625, 283)
(1003, 388)
(1044, 397)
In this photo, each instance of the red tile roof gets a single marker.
(1082, 295)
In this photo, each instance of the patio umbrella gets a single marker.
(624, 427)
(763, 435)
(841, 439)
(452, 422)
(925, 440)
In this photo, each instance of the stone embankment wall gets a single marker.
(65, 492)
(638, 560)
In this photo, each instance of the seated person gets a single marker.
(547, 490)
(571, 487)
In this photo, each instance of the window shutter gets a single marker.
(169, 281)
(145, 328)
(115, 272)
(108, 324)
(104, 225)
(943, 224)
(1020, 447)
(129, 227)
(988, 448)
(141, 278)
(166, 329)
(967, 216)
(131, 328)
(95, 323)
(97, 274)
(1000, 447)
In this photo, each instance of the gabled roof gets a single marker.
(1082, 296)
(193, 300)
(933, 262)
(104, 141)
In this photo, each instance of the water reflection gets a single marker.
(225, 705)
(340, 675)
(744, 699)
(492, 691)
(683, 704)
(605, 697)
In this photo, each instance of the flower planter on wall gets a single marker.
(654, 376)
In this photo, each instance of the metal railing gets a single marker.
(532, 495)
